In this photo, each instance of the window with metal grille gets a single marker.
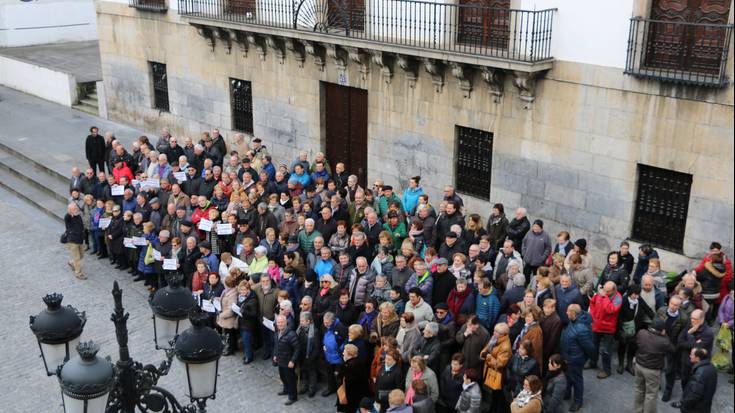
(474, 161)
(241, 102)
(160, 86)
(661, 207)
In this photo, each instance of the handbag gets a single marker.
(628, 328)
(148, 259)
(63, 239)
(342, 393)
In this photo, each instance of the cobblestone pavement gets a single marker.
(34, 125)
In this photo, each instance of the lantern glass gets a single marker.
(202, 379)
(94, 405)
(165, 330)
(55, 355)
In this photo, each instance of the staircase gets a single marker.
(36, 184)
(88, 102)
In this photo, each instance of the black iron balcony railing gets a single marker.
(688, 53)
(518, 35)
(149, 5)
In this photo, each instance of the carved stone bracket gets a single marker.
(241, 39)
(464, 77)
(317, 51)
(385, 62)
(410, 68)
(296, 49)
(436, 70)
(207, 33)
(257, 42)
(226, 37)
(361, 58)
(495, 79)
(526, 84)
(338, 55)
(276, 44)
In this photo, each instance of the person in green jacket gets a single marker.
(397, 229)
(385, 200)
(307, 235)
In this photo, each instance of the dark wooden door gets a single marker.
(345, 115)
(690, 47)
(484, 23)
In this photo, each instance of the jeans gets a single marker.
(247, 344)
(95, 241)
(288, 377)
(647, 382)
(268, 338)
(604, 342)
(575, 382)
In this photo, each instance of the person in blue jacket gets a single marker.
(645, 253)
(333, 342)
(487, 304)
(411, 194)
(566, 294)
(577, 346)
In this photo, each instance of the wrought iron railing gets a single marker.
(149, 5)
(519, 35)
(688, 53)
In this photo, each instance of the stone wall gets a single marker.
(570, 158)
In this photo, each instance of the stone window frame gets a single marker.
(472, 175)
(160, 98)
(248, 121)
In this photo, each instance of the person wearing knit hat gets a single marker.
(536, 248)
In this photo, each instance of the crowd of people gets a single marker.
(390, 301)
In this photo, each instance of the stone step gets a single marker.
(89, 101)
(92, 96)
(25, 158)
(92, 110)
(37, 198)
(33, 176)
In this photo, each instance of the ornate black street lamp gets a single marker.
(57, 330)
(92, 385)
(171, 307)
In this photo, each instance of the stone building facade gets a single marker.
(566, 142)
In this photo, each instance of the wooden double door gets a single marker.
(345, 115)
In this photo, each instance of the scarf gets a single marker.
(633, 304)
(458, 299)
(366, 321)
(410, 393)
(323, 291)
(524, 330)
(495, 219)
(310, 338)
(524, 397)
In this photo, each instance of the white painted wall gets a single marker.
(48, 84)
(46, 21)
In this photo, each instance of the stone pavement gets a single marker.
(81, 59)
(55, 136)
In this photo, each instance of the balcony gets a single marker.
(509, 39)
(678, 52)
(158, 6)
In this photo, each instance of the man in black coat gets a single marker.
(310, 345)
(75, 238)
(450, 217)
(288, 352)
(518, 227)
(700, 390)
(698, 334)
(444, 282)
(94, 148)
(173, 150)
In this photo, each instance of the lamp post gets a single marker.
(171, 306)
(57, 330)
(93, 385)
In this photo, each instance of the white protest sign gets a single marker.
(205, 225)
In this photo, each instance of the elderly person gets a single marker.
(536, 248)
(577, 345)
(430, 347)
(74, 238)
(529, 400)
(310, 343)
(420, 371)
(287, 354)
(386, 324)
(604, 308)
(496, 355)
(353, 375)
(227, 319)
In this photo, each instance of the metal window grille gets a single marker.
(160, 86)
(661, 207)
(241, 102)
(474, 162)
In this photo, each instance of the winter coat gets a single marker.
(422, 312)
(288, 348)
(409, 339)
(536, 336)
(382, 329)
(642, 266)
(517, 370)
(551, 328)
(536, 248)
(450, 387)
(461, 305)
(534, 405)
(310, 349)
(676, 326)
(142, 266)
(496, 358)
(470, 399)
(496, 230)
(517, 230)
(577, 341)
(266, 302)
(360, 286)
(472, 345)
(700, 390)
(333, 342)
(618, 275)
(444, 223)
(411, 198)
(565, 297)
(249, 309)
(443, 283)
(74, 226)
(584, 279)
(651, 349)
(711, 277)
(424, 282)
(725, 313)
(400, 277)
(554, 390)
(487, 308)
(604, 310)
(429, 349)
(388, 380)
(428, 377)
(227, 318)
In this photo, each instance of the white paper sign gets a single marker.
(169, 264)
(151, 183)
(235, 309)
(157, 255)
(105, 222)
(128, 242)
(180, 176)
(135, 183)
(239, 249)
(205, 225)
(224, 229)
(217, 304)
(117, 190)
(269, 324)
(140, 241)
(208, 306)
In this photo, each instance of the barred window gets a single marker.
(661, 207)
(160, 86)
(241, 102)
(473, 162)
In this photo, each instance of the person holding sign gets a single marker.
(115, 234)
(227, 319)
(145, 259)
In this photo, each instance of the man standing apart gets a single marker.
(700, 390)
(287, 354)
(74, 238)
(577, 345)
(94, 148)
(653, 346)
